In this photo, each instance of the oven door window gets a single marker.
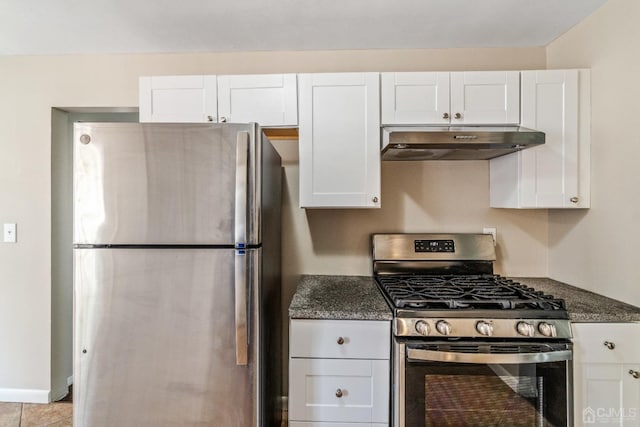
(510, 395)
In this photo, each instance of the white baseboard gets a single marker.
(22, 395)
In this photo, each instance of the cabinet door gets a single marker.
(339, 140)
(550, 171)
(606, 394)
(631, 394)
(415, 98)
(339, 390)
(323, 424)
(606, 355)
(270, 99)
(485, 97)
(178, 99)
(598, 392)
(556, 174)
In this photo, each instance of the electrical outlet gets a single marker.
(493, 231)
(10, 233)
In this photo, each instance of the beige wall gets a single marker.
(598, 249)
(416, 196)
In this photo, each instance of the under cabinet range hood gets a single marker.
(456, 142)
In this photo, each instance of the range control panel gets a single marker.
(434, 246)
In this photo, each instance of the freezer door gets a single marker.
(156, 338)
(166, 183)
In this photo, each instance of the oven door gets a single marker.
(483, 384)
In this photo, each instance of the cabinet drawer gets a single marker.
(348, 339)
(339, 390)
(320, 424)
(589, 342)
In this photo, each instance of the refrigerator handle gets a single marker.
(242, 169)
(242, 343)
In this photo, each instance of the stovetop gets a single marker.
(443, 286)
(472, 306)
(464, 292)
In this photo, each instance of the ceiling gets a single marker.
(122, 26)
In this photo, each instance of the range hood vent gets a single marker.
(456, 142)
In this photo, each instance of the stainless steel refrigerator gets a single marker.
(176, 275)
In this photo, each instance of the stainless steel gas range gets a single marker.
(470, 348)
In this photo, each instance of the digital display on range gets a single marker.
(434, 246)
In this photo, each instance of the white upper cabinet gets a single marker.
(268, 99)
(485, 97)
(458, 98)
(178, 99)
(556, 174)
(339, 140)
(415, 98)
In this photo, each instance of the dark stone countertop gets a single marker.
(584, 306)
(339, 298)
(358, 298)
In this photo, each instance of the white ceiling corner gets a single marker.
(127, 26)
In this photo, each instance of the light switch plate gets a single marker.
(10, 233)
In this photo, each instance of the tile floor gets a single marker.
(57, 414)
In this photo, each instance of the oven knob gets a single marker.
(443, 327)
(484, 328)
(422, 327)
(547, 329)
(526, 329)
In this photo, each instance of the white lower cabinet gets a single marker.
(312, 424)
(339, 390)
(606, 374)
(327, 387)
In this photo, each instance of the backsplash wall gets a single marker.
(435, 196)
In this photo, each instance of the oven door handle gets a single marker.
(488, 358)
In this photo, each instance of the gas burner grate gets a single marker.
(464, 292)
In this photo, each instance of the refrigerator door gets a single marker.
(156, 338)
(146, 184)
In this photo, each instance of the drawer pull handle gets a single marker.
(634, 374)
(340, 340)
(339, 393)
(609, 345)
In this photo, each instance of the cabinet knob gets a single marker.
(209, 118)
(574, 200)
(340, 340)
(609, 345)
(634, 374)
(445, 116)
(374, 199)
(223, 119)
(458, 116)
(339, 393)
